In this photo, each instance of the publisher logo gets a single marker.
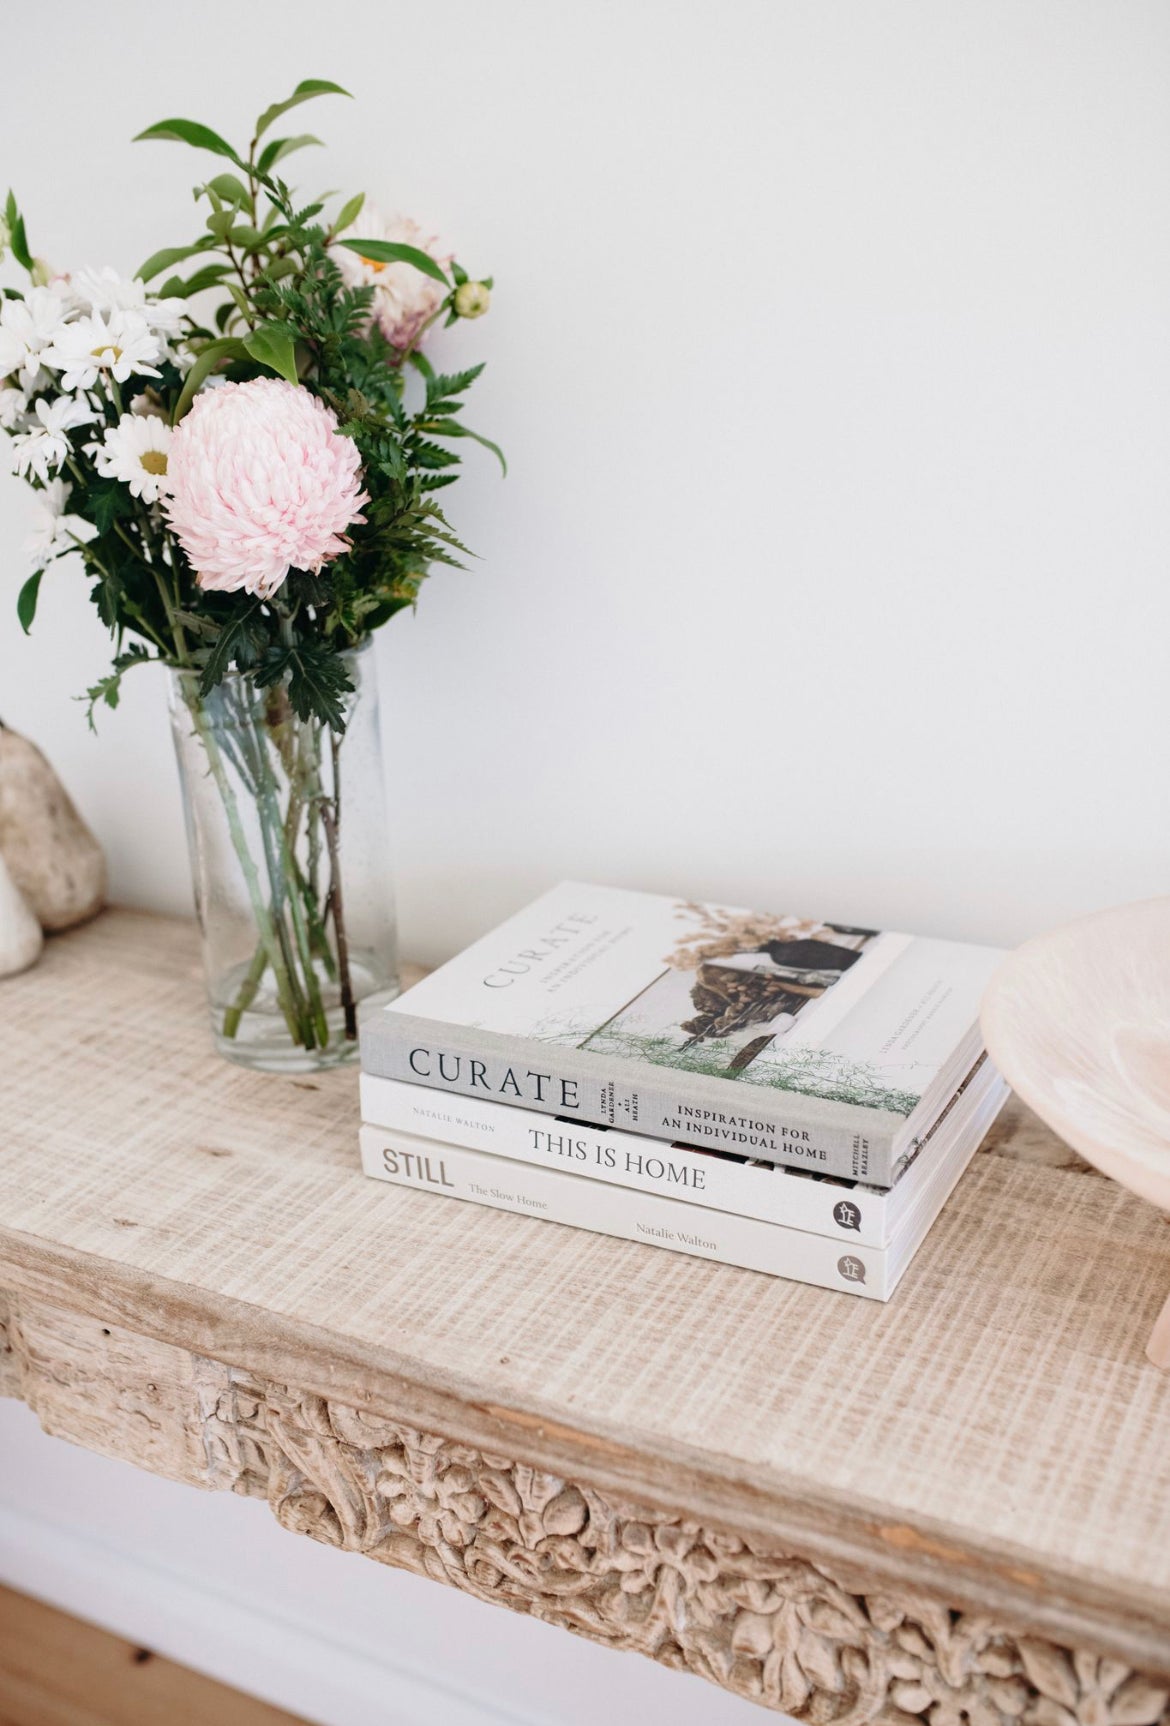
(847, 1216)
(851, 1269)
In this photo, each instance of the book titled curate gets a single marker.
(791, 1040)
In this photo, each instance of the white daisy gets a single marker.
(106, 291)
(115, 345)
(13, 407)
(27, 328)
(53, 531)
(135, 451)
(43, 448)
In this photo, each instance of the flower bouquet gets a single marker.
(243, 444)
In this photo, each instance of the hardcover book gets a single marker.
(792, 1040)
(852, 1265)
(719, 1180)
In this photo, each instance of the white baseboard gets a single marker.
(291, 1665)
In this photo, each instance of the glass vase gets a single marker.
(287, 831)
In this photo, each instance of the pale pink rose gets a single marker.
(261, 481)
(404, 299)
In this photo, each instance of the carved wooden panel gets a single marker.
(769, 1625)
(9, 1366)
(116, 1392)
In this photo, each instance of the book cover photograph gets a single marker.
(729, 1001)
(772, 1034)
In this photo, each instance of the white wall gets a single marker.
(831, 351)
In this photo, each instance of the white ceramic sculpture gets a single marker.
(21, 939)
(1078, 1022)
(51, 854)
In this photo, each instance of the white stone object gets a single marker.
(54, 858)
(21, 939)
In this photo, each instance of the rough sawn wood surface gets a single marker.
(956, 1504)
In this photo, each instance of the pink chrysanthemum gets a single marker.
(261, 481)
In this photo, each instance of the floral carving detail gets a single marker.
(773, 1628)
(777, 1629)
(1081, 1689)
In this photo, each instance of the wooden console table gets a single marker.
(957, 1505)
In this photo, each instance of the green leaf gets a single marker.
(304, 92)
(274, 345)
(230, 189)
(108, 689)
(107, 501)
(175, 288)
(317, 682)
(227, 348)
(429, 455)
(442, 386)
(392, 462)
(278, 148)
(452, 428)
(191, 132)
(164, 260)
(26, 600)
(242, 303)
(17, 238)
(349, 212)
(230, 638)
(200, 626)
(278, 268)
(390, 252)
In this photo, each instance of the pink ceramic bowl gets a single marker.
(1078, 1022)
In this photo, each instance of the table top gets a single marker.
(996, 1422)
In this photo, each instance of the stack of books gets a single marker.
(793, 1096)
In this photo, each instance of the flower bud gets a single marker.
(41, 273)
(5, 238)
(472, 299)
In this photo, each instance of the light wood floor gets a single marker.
(57, 1671)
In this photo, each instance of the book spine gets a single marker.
(484, 1179)
(771, 1194)
(722, 1114)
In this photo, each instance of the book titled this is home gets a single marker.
(793, 1040)
(718, 1180)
